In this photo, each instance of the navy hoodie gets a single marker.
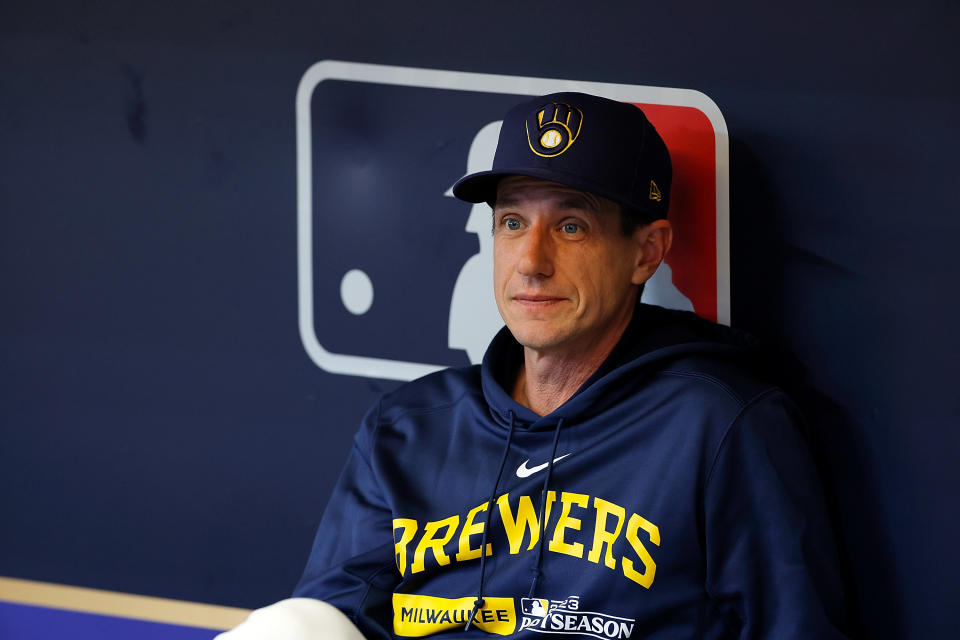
(679, 496)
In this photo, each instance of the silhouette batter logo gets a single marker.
(387, 286)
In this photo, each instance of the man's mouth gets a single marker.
(536, 299)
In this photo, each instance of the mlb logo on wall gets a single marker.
(394, 274)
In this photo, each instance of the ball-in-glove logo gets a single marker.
(553, 128)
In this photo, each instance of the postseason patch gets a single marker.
(565, 617)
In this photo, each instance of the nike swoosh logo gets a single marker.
(523, 471)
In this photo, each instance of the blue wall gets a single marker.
(162, 430)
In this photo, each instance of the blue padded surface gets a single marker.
(25, 622)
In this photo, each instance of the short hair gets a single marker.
(630, 219)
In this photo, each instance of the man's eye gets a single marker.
(512, 224)
(571, 227)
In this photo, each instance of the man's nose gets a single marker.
(536, 257)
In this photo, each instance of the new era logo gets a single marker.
(655, 192)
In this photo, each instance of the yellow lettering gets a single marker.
(409, 529)
(644, 579)
(430, 541)
(525, 521)
(471, 529)
(566, 521)
(600, 534)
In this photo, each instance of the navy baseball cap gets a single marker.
(594, 144)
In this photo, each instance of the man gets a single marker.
(612, 469)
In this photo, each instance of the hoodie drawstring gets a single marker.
(486, 527)
(537, 568)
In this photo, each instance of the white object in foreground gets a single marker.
(295, 619)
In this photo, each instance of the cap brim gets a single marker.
(478, 187)
(482, 186)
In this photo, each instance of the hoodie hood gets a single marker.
(655, 337)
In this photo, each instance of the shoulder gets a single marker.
(730, 401)
(416, 422)
(434, 392)
(729, 376)
(710, 357)
(753, 426)
(755, 422)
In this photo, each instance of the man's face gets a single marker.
(564, 274)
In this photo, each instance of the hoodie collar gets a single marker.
(653, 336)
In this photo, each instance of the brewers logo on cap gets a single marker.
(553, 128)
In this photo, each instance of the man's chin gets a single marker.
(538, 338)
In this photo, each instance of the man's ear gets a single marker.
(653, 242)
